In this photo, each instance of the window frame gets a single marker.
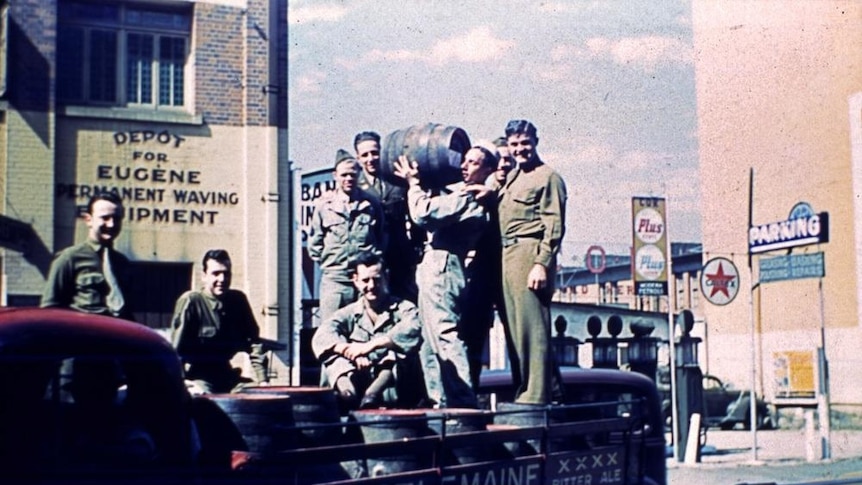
(122, 28)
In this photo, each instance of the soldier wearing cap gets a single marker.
(532, 202)
(346, 221)
(403, 239)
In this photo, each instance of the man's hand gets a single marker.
(538, 277)
(406, 169)
(355, 350)
(480, 191)
(362, 362)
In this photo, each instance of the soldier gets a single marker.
(211, 325)
(484, 288)
(368, 347)
(532, 203)
(403, 239)
(346, 222)
(92, 276)
(454, 220)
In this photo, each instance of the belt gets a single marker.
(511, 241)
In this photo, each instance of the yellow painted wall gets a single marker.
(773, 81)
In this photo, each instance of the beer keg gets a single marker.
(437, 149)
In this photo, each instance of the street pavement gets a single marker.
(728, 458)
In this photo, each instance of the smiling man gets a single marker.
(532, 202)
(346, 221)
(368, 347)
(211, 325)
(92, 276)
(403, 239)
(454, 219)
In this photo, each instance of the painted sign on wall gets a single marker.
(154, 186)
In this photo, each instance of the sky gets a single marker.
(609, 85)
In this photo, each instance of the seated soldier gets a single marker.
(367, 346)
(213, 324)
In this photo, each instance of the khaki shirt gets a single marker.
(342, 227)
(400, 322)
(532, 205)
(208, 331)
(76, 280)
(453, 218)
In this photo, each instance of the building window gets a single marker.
(118, 54)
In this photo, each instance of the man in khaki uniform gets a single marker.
(93, 277)
(346, 221)
(532, 203)
(403, 239)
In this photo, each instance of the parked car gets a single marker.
(727, 407)
(90, 399)
(724, 407)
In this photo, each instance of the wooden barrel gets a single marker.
(437, 149)
(449, 422)
(314, 412)
(392, 425)
(529, 416)
(265, 421)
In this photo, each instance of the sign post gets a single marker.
(596, 263)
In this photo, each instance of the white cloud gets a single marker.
(477, 45)
(310, 82)
(315, 13)
(646, 51)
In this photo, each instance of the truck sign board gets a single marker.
(792, 267)
(598, 466)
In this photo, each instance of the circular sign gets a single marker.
(719, 281)
(596, 259)
(649, 263)
(649, 225)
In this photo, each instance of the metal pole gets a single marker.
(753, 400)
(598, 291)
(823, 410)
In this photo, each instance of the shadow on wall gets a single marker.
(29, 82)
(20, 236)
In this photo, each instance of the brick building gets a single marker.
(180, 106)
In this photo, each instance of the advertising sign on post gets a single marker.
(649, 236)
(314, 184)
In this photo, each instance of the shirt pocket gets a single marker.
(335, 224)
(92, 284)
(363, 227)
(526, 203)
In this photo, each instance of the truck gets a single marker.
(94, 399)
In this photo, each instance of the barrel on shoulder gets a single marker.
(437, 149)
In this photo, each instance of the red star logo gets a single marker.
(720, 281)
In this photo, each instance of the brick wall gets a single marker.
(29, 172)
(219, 64)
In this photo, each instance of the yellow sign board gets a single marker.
(794, 373)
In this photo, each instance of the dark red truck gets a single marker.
(88, 399)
